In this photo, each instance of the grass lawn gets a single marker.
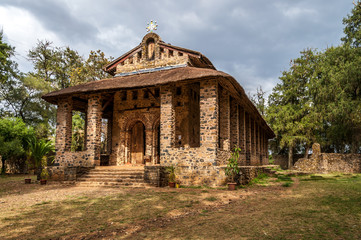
(308, 207)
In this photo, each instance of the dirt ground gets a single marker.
(269, 209)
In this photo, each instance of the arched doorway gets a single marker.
(137, 147)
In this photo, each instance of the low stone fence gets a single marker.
(58, 173)
(155, 175)
(329, 162)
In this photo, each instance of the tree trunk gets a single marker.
(354, 147)
(38, 173)
(3, 169)
(307, 148)
(290, 157)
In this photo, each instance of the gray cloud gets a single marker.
(252, 40)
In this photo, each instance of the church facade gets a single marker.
(165, 105)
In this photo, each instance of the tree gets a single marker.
(78, 133)
(13, 135)
(259, 100)
(8, 68)
(352, 28)
(339, 98)
(37, 150)
(54, 65)
(290, 112)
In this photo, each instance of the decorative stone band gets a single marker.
(149, 70)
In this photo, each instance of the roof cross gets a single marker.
(152, 26)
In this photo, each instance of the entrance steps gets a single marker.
(113, 177)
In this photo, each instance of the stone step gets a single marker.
(116, 170)
(81, 179)
(111, 184)
(112, 177)
(116, 173)
(91, 175)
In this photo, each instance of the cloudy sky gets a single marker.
(253, 40)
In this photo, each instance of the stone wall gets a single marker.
(156, 175)
(282, 159)
(329, 163)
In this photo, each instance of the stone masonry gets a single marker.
(165, 106)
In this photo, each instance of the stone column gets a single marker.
(234, 123)
(248, 139)
(258, 139)
(148, 144)
(224, 119)
(261, 134)
(85, 130)
(63, 130)
(209, 119)
(167, 123)
(242, 134)
(253, 141)
(94, 120)
(109, 135)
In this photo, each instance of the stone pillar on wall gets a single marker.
(234, 123)
(242, 134)
(248, 139)
(224, 119)
(148, 144)
(109, 135)
(259, 154)
(209, 118)
(94, 119)
(253, 141)
(63, 130)
(167, 123)
(261, 145)
(85, 130)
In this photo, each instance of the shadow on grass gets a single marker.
(84, 216)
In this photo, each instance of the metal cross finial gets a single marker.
(152, 26)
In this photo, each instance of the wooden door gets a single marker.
(138, 143)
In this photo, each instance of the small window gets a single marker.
(145, 94)
(179, 91)
(180, 54)
(131, 60)
(139, 56)
(124, 95)
(170, 53)
(135, 95)
(156, 92)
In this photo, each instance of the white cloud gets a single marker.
(22, 30)
(118, 37)
(294, 12)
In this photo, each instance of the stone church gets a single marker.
(165, 105)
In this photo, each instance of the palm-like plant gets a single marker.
(37, 150)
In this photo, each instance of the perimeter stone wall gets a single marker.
(329, 162)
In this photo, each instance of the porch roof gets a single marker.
(146, 79)
(149, 79)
